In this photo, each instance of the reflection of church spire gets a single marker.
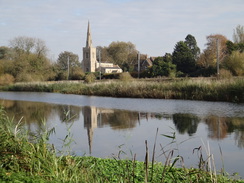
(90, 122)
(90, 136)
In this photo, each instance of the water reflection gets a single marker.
(186, 123)
(99, 130)
(33, 114)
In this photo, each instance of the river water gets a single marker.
(118, 127)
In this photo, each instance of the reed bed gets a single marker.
(229, 90)
(25, 160)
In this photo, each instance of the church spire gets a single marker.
(88, 39)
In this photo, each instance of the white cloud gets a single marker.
(153, 25)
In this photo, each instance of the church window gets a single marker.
(87, 55)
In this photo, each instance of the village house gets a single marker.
(145, 63)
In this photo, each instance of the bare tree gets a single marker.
(238, 35)
(23, 44)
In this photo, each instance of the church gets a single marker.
(90, 63)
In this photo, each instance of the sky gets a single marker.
(154, 26)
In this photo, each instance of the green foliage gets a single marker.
(163, 66)
(125, 76)
(231, 47)
(122, 53)
(6, 53)
(110, 75)
(223, 73)
(235, 63)
(183, 58)
(26, 60)
(66, 58)
(6, 79)
(68, 67)
(192, 44)
(77, 73)
(61, 75)
(205, 71)
(90, 78)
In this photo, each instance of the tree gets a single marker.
(122, 54)
(68, 66)
(103, 54)
(235, 63)
(27, 59)
(27, 45)
(183, 58)
(192, 44)
(238, 35)
(163, 66)
(212, 46)
(4, 52)
(68, 57)
(208, 58)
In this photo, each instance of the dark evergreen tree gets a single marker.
(192, 44)
(183, 58)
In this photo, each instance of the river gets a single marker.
(118, 127)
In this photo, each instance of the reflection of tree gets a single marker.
(32, 112)
(186, 123)
(120, 119)
(68, 113)
(218, 127)
(238, 124)
(239, 138)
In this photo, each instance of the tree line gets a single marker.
(187, 60)
(26, 59)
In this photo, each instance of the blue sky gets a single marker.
(154, 26)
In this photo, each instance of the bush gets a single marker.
(90, 78)
(61, 76)
(6, 79)
(24, 77)
(125, 76)
(223, 73)
(235, 63)
(77, 74)
(110, 76)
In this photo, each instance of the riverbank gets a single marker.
(25, 158)
(205, 89)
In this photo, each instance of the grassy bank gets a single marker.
(207, 89)
(25, 160)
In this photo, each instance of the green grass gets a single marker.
(207, 89)
(25, 160)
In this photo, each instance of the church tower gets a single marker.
(89, 54)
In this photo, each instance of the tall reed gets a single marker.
(230, 90)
